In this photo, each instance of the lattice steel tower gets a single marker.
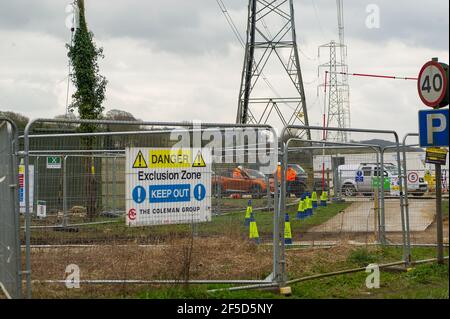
(338, 90)
(271, 49)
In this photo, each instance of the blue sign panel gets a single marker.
(139, 194)
(170, 193)
(433, 128)
(359, 177)
(199, 192)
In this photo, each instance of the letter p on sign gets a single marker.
(433, 128)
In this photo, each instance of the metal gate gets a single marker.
(10, 281)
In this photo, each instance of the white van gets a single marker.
(359, 178)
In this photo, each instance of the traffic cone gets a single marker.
(310, 207)
(254, 235)
(248, 213)
(287, 230)
(323, 199)
(301, 210)
(315, 204)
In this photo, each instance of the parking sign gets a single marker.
(433, 128)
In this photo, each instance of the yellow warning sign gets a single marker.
(199, 161)
(140, 162)
(170, 158)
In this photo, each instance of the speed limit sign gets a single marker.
(413, 178)
(433, 84)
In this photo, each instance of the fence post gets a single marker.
(406, 201)
(375, 212)
(382, 204)
(114, 186)
(36, 178)
(282, 207)
(64, 221)
(439, 225)
(276, 231)
(328, 182)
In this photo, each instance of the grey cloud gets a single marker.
(196, 26)
(422, 24)
(185, 27)
(178, 60)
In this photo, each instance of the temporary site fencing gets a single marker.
(421, 199)
(10, 268)
(364, 217)
(79, 216)
(75, 204)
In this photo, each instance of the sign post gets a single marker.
(433, 130)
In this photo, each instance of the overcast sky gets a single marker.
(176, 60)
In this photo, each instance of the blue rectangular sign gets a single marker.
(170, 193)
(433, 128)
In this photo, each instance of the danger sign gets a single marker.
(167, 186)
(169, 158)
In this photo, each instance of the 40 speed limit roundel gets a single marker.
(433, 84)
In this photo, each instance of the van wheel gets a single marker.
(349, 190)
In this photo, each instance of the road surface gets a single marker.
(359, 217)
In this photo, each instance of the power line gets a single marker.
(317, 18)
(230, 21)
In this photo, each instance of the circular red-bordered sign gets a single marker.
(413, 177)
(432, 84)
(132, 214)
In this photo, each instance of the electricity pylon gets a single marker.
(271, 51)
(335, 113)
(337, 100)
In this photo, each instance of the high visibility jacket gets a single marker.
(291, 174)
(237, 173)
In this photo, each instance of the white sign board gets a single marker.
(22, 186)
(167, 186)
(395, 186)
(413, 180)
(41, 209)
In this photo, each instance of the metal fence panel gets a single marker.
(85, 220)
(353, 211)
(9, 248)
(421, 181)
(363, 202)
